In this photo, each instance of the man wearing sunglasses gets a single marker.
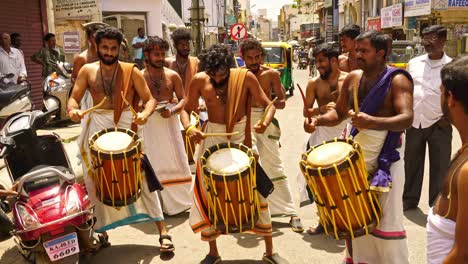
(430, 126)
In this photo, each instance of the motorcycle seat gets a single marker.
(10, 93)
(46, 178)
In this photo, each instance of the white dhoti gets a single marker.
(320, 135)
(440, 237)
(163, 144)
(198, 219)
(146, 208)
(281, 201)
(387, 243)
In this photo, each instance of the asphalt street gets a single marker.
(139, 243)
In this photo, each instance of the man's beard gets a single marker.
(155, 65)
(220, 84)
(183, 53)
(254, 68)
(326, 74)
(107, 61)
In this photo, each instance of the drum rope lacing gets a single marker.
(335, 211)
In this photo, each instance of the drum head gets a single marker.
(114, 141)
(329, 154)
(228, 161)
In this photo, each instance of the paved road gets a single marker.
(138, 243)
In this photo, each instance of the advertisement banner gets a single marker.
(397, 15)
(417, 8)
(76, 8)
(458, 4)
(386, 17)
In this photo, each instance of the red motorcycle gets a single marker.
(52, 214)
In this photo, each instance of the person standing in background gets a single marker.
(138, 43)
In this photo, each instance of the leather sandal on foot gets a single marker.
(274, 259)
(296, 225)
(316, 230)
(211, 260)
(104, 241)
(166, 247)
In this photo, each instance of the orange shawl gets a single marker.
(122, 84)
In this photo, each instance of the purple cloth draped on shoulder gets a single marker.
(382, 180)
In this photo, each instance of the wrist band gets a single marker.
(189, 129)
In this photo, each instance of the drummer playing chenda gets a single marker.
(385, 100)
(104, 80)
(227, 112)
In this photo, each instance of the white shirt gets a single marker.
(139, 51)
(12, 62)
(426, 76)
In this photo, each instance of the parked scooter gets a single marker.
(302, 63)
(14, 98)
(57, 87)
(52, 214)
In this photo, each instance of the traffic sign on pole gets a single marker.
(238, 31)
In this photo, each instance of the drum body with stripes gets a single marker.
(116, 166)
(336, 174)
(229, 176)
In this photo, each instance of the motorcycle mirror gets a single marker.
(10, 75)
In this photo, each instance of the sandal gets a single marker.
(211, 260)
(296, 225)
(316, 230)
(274, 259)
(104, 241)
(166, 247)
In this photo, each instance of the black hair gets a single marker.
(140, 28)
(152, 42)
(351, 31)
(215, 58)
(109, 33)
(180, 34)
(454, 77)
(15, 35)
(48, 36)
(441, 31)
(377, 39)
(251, 44)
(92, 28)
(328, 50)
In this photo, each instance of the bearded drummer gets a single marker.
(384, 97)
(225, 114)
(324, 90)
(104, 79)
(280, 202)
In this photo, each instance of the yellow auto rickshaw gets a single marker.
(279, 56)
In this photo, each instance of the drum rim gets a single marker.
(220, 177)
(330, 169)
(115, 155)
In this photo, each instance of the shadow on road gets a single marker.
(12, 256)
(129, 254)
(324, 242)
(243, 261)
(416, 216)
(171, 222)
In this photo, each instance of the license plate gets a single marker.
(62, 247)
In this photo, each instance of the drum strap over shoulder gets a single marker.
(236, 90)
(122, 85)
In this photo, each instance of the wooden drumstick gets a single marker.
(266, 110)
(221, 134)
(135, 114)
(355, 96)
(304, 100)
(90, 110)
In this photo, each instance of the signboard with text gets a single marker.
(71, 42)
(76, 8)
(374, 24)
(392, 16)
(417, 8)
(386, 17)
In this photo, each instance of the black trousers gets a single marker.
(438, 137)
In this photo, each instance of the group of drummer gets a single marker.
(238, 103)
